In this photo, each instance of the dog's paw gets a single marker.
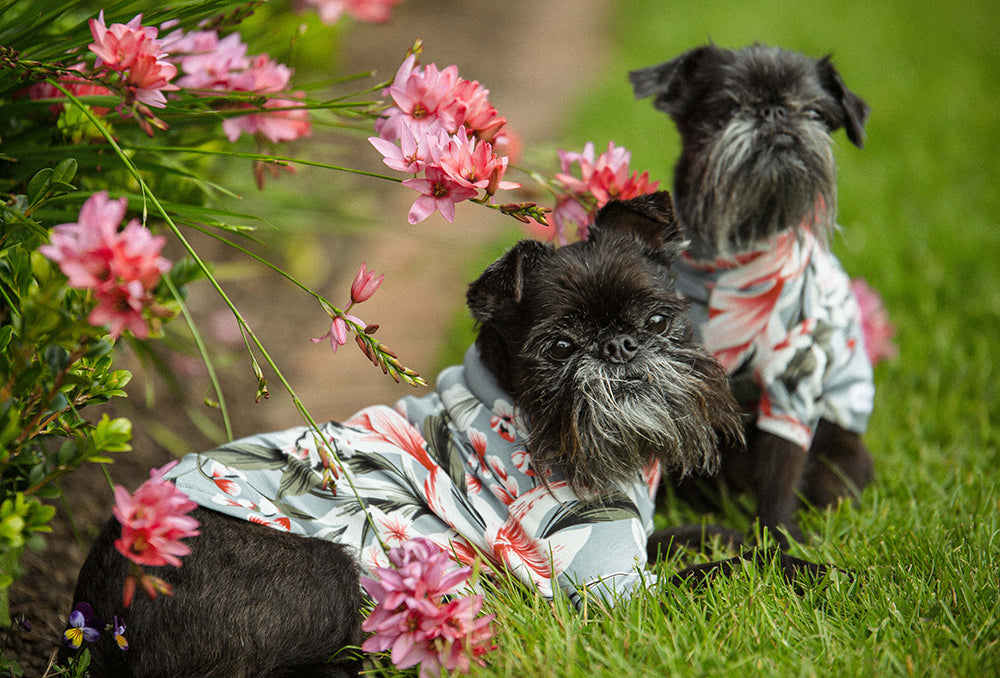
(795, 571)
(697, 575)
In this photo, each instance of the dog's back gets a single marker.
(265, 603)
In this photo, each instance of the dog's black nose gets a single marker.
(620, 349)
(774, 113)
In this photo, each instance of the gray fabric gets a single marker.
(784, 318)
(451, 466)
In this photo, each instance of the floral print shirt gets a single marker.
(451, 466)
(784, 319)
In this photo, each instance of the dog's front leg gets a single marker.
(840, 465)
(779, 467)
(666, 543)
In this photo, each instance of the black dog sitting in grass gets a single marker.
(756, 192)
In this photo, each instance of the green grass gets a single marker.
(920, 209)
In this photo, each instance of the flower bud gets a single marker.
(364, 285)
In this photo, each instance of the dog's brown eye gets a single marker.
(658, 323)
(561, 350)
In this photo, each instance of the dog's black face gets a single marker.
(755, 128)
(595, 347)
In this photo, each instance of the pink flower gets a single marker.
(79, 87)
(338, 331)
(421, 97)
(568, 213)
(443, 126)
(119, 308)
(415, 151)
(82, 249)
(508, 143)
(365, 284)
(288, 120)
(466, 637)
(211, 64)
(472, 163)
(153, 521)
(875, 325)
(376, 11)
(287, 124)
(438, 193)
(416, 615)
(601, 179)
(133, 51)
(605, 178)
(119, 46)
(262, 75)
(425, 95)
(207, 62)
(121, 268)
(474, 110)
(337, 334)
(149, 78)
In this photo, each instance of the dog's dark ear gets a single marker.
(670, 81)
(855, 109)
(502, 284)
(649, 219)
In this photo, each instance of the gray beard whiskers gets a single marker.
(748, 192)
(618, 426)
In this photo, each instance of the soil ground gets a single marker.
(535, 57)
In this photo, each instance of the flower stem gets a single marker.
(206, 358)
(274, 159)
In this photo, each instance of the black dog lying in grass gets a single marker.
(540, 456)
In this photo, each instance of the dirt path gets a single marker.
(535, 57)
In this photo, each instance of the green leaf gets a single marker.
(58, 403)
(10, 424)
(110, 435)
(39, 516)
(99, 349)
(16, 270)
(38, 185)
(49, 491)
(36, 475)
(56, 357)
(64, 172)
(66, 452)
(6, 332)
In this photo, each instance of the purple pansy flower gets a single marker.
(83, 626)
(118, 629)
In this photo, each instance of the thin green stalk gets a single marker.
(273, 159)
(261, 260)
(205, 356)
